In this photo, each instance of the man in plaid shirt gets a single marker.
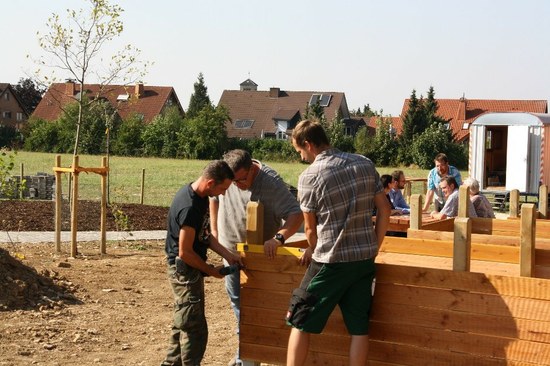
(338, 193)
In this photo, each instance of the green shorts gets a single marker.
(325, 285)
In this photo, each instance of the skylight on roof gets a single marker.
(323, 99)
(244, 123)
(123, 97)
(465, 125)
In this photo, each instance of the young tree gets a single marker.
(199, 99)
(75, 47)
(337, 136)
(29, 93)
(204, 136)
(315, 112)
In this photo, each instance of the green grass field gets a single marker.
(163, 177)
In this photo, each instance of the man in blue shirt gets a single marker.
(396, 197)
(442, 168)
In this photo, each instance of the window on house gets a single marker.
(323, 99)
(7, 96)
(447, 126)
(123, 97)
(465, 125)
(6, 115)
(244, 123)
(348, 131)
(282, 126)
(19, 116)
(281, 135)
(314, 98)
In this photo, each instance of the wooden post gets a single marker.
(462, 244)
(103, 244)
(407, 191)
(543, 201)
(463, 201)
(255, 223)
(527, 240)
(142, 186)
(514, 204)
(74, 208)
(254, 235)
(21, 175)
(416, 212)
(58, 204)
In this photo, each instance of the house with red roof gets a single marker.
(462, 112)
(12, 112)
(272, 113)
(143, 100)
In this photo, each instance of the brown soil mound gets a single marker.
(24, 288)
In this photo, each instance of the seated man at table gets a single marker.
(449, 187)
(396, 197)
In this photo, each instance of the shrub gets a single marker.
(436, 139)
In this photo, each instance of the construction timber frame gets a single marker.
(425, 311)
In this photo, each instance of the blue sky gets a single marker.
(376, 52)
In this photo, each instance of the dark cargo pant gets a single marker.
(187, 342)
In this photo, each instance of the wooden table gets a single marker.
(401, 223)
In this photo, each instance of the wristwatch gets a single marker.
(280, 238)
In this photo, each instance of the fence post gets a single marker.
(142, 186)
(103, 244)
(527, 240)
(416, 212)
(514, 204)
(463, 201)
(462, 244)
(58, 203)
(21, 176)
(543, 201)
(255, 223)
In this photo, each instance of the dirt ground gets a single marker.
(113, 309)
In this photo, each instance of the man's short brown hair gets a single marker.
(312, 132)
(442, 158)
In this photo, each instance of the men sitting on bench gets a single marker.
(450, 189)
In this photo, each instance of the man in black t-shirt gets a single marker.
(187, 241)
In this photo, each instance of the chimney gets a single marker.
(69, 87)
(139, 90)
(461, 113)
(274, 92)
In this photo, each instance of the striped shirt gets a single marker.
(339, 188)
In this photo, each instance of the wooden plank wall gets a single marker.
(421, 316)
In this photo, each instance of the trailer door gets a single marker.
(517, 162)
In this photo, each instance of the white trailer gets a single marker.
(510, 151)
